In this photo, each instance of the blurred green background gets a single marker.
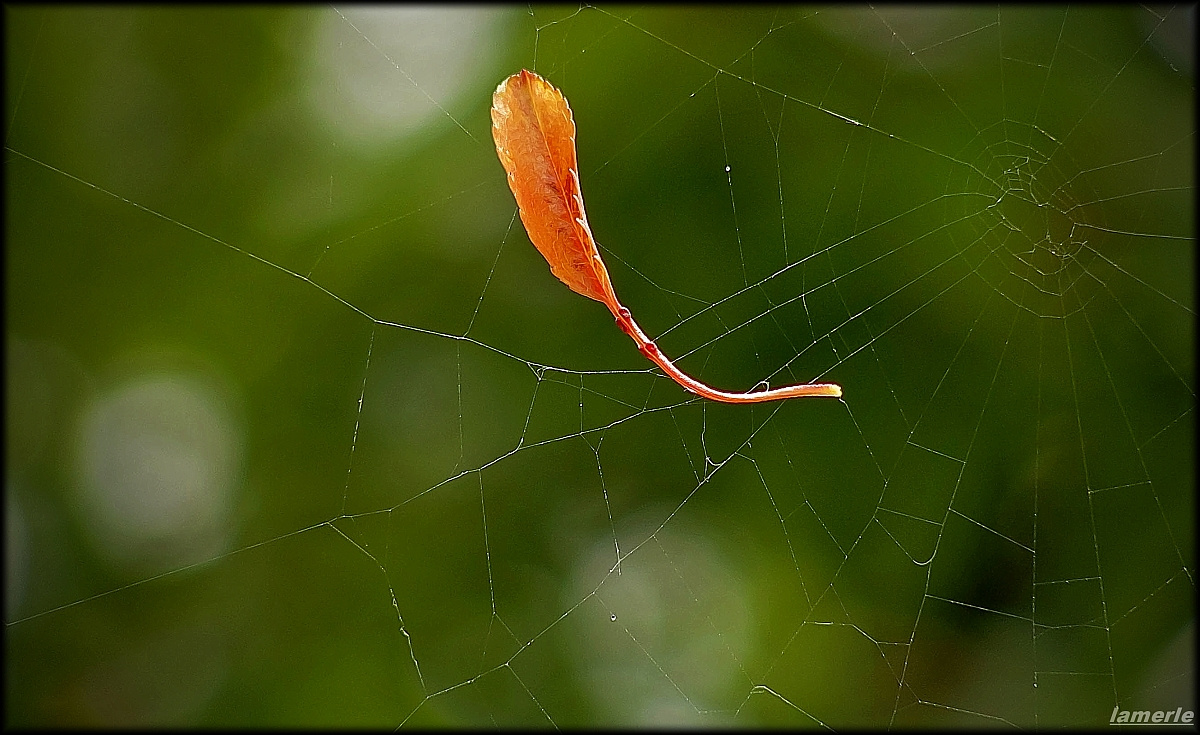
(301, 431)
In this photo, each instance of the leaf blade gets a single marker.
(534, 133)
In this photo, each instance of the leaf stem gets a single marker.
(647, 347)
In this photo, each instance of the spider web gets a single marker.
(300, 430)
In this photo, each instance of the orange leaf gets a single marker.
(535, 139)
